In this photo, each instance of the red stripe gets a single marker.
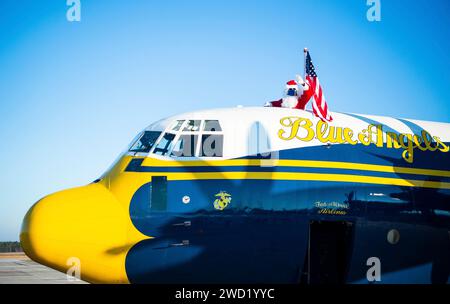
(320, 106)
(321, 112)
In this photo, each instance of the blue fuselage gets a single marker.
(264, 234)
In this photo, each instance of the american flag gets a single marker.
(319, 105)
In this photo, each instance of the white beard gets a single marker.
(289, 102)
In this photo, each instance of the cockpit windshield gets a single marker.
(183, 138)
(164, 145)
(145, 142)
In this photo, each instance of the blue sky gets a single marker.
(72, 95)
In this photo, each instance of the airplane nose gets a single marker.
(81, 230)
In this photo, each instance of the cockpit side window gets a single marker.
(145, 142)
(212, 145)
(164, 144)
(177, 125)
(212, 126)
(185, 146)
(192, 126)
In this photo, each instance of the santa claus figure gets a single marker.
(296, 95)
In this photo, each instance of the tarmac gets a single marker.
(17, 268)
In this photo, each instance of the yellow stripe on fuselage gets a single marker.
(151, 162)
(302, 176)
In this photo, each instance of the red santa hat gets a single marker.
(291, 84)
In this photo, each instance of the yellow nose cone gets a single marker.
(83, 230)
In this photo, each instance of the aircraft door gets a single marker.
(159, 193)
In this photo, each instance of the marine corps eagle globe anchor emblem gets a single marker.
(222, 201)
